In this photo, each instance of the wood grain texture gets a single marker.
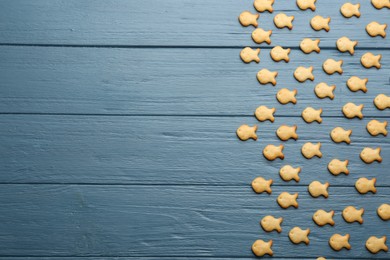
(172, 81)
(172, 150)
(74, 220)
(172, 22)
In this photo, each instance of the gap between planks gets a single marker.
(114, 46)
(99, 257)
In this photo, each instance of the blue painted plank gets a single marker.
(171, 22)
(171, 81)
(172, 150)
(74, 220)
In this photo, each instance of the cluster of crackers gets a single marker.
(310, 115)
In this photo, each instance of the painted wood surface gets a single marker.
(171, 22)
(74, 220)
(172, 81)
(173, 150)
(117, 130)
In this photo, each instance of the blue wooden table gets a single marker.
(117, 130)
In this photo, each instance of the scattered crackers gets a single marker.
(260, 185)
(338, 242)
(264, 113)
(337, 167)
(317, 189)
(374, 127)
(286, 200)
(310, 115)
(298, 235)
(309, 150)
(270, 223)
(248, 55)
(272, 152)
(282, 20)
(364, 185)
(247, 18)
(246, 132)
(355, 84)
(370, 155)
(339, 135)
(348, 10)
(370, 60)
(285, 96)
(319, 23)
(322, 218)
(308, 45)
(331, 66)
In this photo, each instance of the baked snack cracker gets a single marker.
(382, 101)
(355, 84)
(285, 96)
(317, 189)
(331, 66)
(306, 4)
(379, 4)
(264, 5)
(339, 135)
(270, 223)
(374, 127)
(264, 113)
(285, 132)
(376, 29)
(337, 167)
(323, 90)
(259, 36)
(265, 76)
(308, 45)
(246, 18)
(302, 74)
(282, 20)
(272, 152)
(288, 173)
(348, 10)
(278, 54)
(352, 214)
(364, 185)
(309, 150)
(344, 44)
(350, 110)
(286, 200)
(384, 211)
(261, 248)
(369, 155)
(338, 242)
(319, 23)
(298, 235)
(260, 185)
(246, 132)
(322, 218)
(376, 244)
(310, 115)
(248, 55)
(370, 60)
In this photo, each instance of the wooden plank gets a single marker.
(172, 150)
(74, 220)
(171, 81)
(171, 22)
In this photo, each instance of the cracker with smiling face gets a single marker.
(246, 132)
(278, 54)
(288, 173)
(376, 29)
(322, 218)
(337, 167)
(302, 74)
(310, 115)
(264, 113)
(339, 135)
(298, 235)
(331, 66)
(348, 10)
(323, 90)
(282, 20)
(285, 96)
(261, 248)
(369, 60)
(364, 185)
(270, 223)
(344, 44)
(308, 45)
(317, 189)
(383, 211)
(370, 155)
(319, 23)
(309, 150)
(350, 110)
(286, 200)
(382, 101)
(264, 76)
(248, 55)
(355, 84)
(246, 18)
(338, 242)
(352, 214)
(259, 36)
(375, 127)
(260, 185)
(286, 132)
(375, 244)
(272, 152)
